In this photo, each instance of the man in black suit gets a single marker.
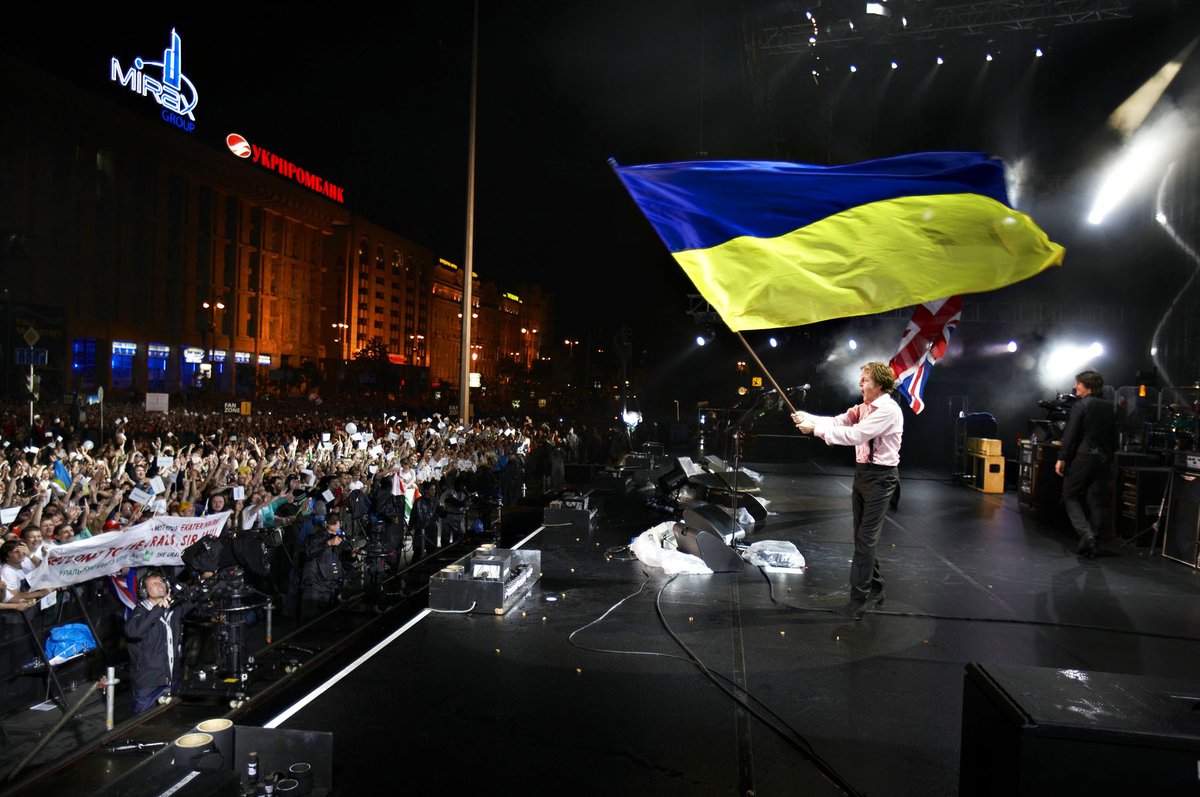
(1085, 459)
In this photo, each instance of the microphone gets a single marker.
(130, 746)
(802, 388)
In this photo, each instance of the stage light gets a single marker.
(1012, 345)
(1135, 163)
(1160, 217)
(1060, 364)
(853, 344)
(989, 57)
(1037, 52)
(701, 340)
(812, 39)
(774, 343)
(940, 60)
(853, 68)
(894, 65)
(631, 418)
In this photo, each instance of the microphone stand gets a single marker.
(737, 455)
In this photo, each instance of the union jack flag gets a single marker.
(124, 587)
(923, 343)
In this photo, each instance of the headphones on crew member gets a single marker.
(143, 577)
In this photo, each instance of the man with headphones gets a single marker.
(155, 634)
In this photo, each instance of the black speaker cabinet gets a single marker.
(1182, 539)
(703, 516)
(1039, 731)
(704, 535)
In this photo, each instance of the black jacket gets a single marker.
(1091, 429)
(156, 658)
(322, 564)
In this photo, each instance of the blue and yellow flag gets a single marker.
(772, 244)
(62, 476)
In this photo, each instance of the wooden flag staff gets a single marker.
(782, 395)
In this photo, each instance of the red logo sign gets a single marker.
(238, 145)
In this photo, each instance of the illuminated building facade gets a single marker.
(147, 260)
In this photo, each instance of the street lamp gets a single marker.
(417, 342)
(341, 333)
(211, 330)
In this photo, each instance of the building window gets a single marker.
(123, 353)
(157, 356)
(83, 363)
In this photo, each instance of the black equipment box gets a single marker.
(619, 479)
(489, 580)
(1043, 731)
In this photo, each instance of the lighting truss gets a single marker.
(962, 18)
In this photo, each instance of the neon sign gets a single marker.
(174, 92)
(239, 146)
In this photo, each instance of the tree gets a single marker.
(373, 367)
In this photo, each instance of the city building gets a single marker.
(142, 259)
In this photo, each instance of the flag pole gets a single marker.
(782, 394)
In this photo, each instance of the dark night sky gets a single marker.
(379, 105)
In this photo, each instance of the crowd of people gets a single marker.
(314, 473)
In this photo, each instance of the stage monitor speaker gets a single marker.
(715, 463)
(1181, 541)
(672, 480)
(703, 516)
(1041, 731)
(754, 505)
(719, 557)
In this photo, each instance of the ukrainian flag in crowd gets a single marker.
(62, 476)
(772, 244)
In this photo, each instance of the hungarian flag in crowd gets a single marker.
(405, 483)
(773, 244)
(923, 343)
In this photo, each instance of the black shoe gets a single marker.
(854, 608)
(876, 597)
(1087, 546)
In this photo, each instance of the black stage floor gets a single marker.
(611, 678)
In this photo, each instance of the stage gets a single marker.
(610, 677)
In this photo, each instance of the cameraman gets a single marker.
(155, 634)
(322, 569)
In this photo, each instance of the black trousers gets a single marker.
(1086, 480)
(872, 494)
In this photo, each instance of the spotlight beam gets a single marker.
(1130, 114)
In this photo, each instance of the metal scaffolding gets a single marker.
(965, 19)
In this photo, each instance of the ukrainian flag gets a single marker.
(773, 244)
(62, 476)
